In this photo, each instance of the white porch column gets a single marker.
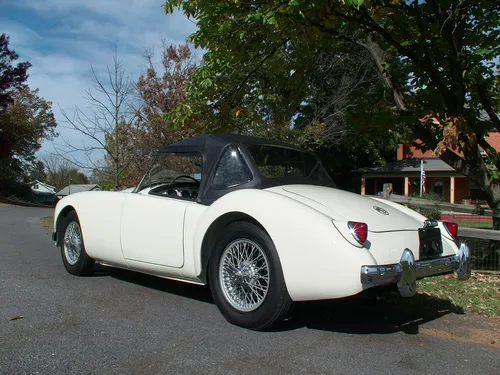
(452, 189)
(363, 185)
(407, 183)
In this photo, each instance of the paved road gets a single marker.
(120, 322)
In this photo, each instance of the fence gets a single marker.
(475, 227)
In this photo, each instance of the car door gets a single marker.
(152, 229)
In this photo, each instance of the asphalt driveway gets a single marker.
(121, 322)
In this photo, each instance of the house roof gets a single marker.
(47, 186)
(41, 182)
(412, 155)
(71, 189)
(411, 166)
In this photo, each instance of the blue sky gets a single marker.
(61, 38)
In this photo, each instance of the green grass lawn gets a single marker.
(479, 295)
(474, 224)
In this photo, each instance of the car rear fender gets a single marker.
(315, 258)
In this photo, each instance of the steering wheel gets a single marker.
(182, 176)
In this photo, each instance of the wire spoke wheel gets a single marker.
(73, 243)
(244, 274)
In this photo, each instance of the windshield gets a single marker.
(165, 168)
(279, 162)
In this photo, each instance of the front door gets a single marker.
(152, 229)
(152, 223)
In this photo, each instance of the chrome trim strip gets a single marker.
(131, 269)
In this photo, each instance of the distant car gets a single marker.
(261, 223)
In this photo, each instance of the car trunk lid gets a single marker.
(343, 205)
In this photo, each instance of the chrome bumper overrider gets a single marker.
(407, 271)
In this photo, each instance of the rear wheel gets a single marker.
(75, 259)
(246, 278)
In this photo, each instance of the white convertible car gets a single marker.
(261, 223)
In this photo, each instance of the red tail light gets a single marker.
(358, 230)
(452, 228)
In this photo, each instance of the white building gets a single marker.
(42, 193)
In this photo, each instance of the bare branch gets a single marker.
(110, 109)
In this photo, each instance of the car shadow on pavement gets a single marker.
(100, 270)
(361, 315)
(368, 313)
(192, 291)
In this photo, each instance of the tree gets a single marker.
(11, 77)
(25, 118)
(124, 135)
(24, 124)
(160, 90)
(110, 114)
(61, 172)
(438, 60)
(37, 171)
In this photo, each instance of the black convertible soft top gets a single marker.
(203, 143)
(211, 147)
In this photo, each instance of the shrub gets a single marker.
(432, 213)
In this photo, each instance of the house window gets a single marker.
(36, 186)
(438, 188)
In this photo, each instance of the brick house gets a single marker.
(441, 179)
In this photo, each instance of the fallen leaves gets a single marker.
(479, 295)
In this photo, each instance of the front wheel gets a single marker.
(75, 258)
(246, 278)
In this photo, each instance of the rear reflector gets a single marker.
(358, 230)
(452, 228)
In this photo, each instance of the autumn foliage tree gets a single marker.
(25, 118)
(161, 91)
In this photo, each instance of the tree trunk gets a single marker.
(117, 178)
(379, 59)
(472, 165)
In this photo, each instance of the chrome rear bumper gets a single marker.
(407, 271)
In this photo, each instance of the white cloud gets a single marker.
(61, 38)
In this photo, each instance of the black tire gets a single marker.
(84, 264)
(276, 303)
